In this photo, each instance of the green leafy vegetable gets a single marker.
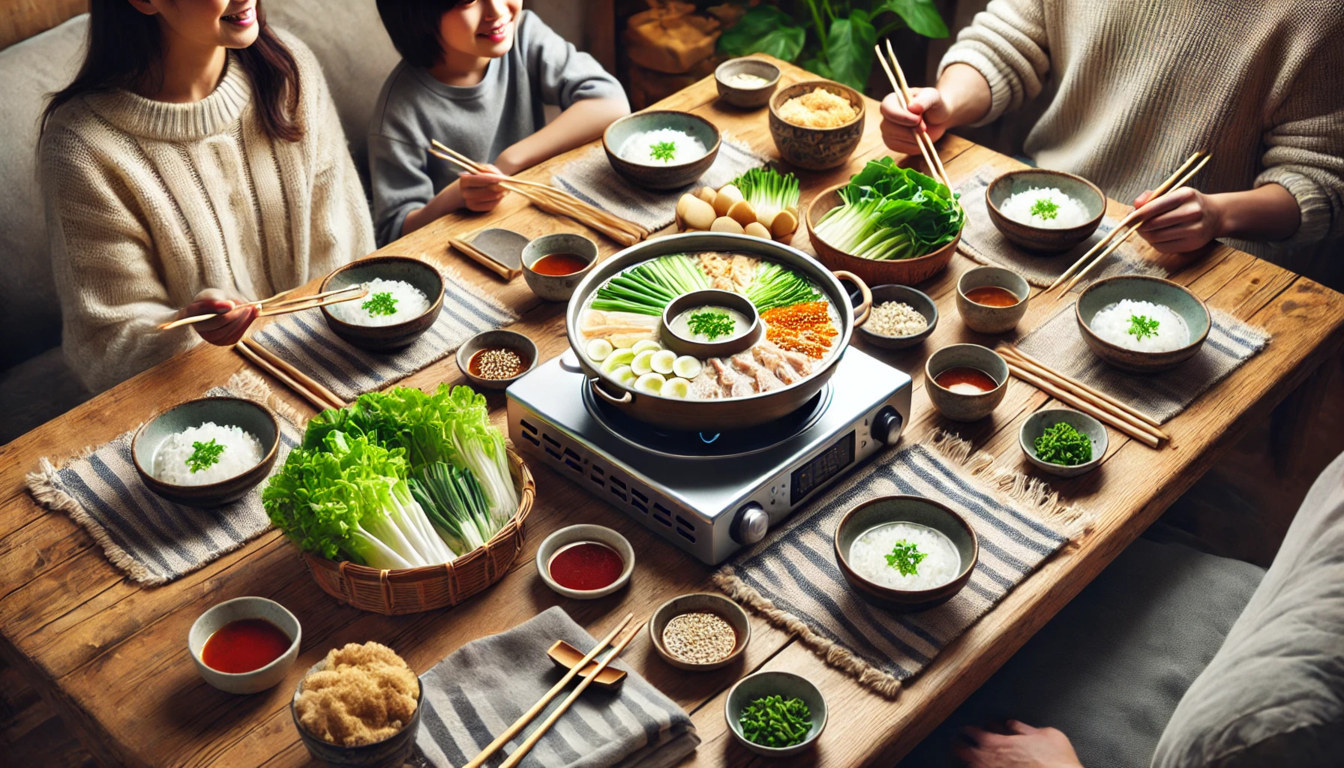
(777, 286)
(891, 212)
(204, 455)
(648, 288)
(454, 500)
(768, 191)
(1141, 327)
(380, 303)
(664, 150)
(1062, 444)
(711, 325)
(906, 557)
(774, 721)
(1045, 208)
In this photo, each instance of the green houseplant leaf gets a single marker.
(920, 15)
(849, 49)
(764, 29)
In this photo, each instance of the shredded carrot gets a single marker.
(805, 328)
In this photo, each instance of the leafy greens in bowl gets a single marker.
(890, 212)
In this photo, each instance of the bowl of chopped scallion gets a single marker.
(775, 713)
(1063, 442)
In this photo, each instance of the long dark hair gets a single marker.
(125, 50)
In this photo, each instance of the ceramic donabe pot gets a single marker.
(721, 414)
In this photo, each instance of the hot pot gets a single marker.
(723, 414)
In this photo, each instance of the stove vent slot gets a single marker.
(598, 476)
(552, 447)
(662, 515)
(529, 432)
(573, 461)
(639, 501)
(617, 489)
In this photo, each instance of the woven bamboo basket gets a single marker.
(411, 590)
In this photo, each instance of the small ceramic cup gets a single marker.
(238, 609)
(1038, 422)
(557, 287)
(965, 406)
(745, 96)
(774, 683)
(700, 602)
(576, 534)
(984, 318)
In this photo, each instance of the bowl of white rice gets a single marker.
(909, 553)
(404, 298)
(1142, 324)
(662, 148)
(1044, 211)
(206, 452)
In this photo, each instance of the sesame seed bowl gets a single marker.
(884, 327)
(693, 632)
(495, 359)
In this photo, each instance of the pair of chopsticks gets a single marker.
(1130, 224)
(550, 199)
(273, 306)
(521, 722)
(901, 88)
(302, 385)
(1094, 403)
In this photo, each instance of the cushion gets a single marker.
(1274, 694)
(1109, 669)
(36, 391)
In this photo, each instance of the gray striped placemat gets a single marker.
(150, 538)
(304, 340)
(592, 178)
(792, 579)
(984, 243)
(478, 691)
(1060, 345)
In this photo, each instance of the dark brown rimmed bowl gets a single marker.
(391, 752)
(661, 175)
(746, 97)
(961, 406)
(1044, 239)
(384, 338)
(1110, 290)
(253, 418)
(906, 509)
(873, 271)
(816, 149)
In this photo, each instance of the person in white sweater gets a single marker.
(195, 164)
(1138, 87)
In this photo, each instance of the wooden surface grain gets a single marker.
(112, 658)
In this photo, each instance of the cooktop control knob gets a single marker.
(887, 426)
(751, 524)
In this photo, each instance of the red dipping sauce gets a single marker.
(558, 264)
(966, 381)
(244, 645)
(993, 296)
(586, 565)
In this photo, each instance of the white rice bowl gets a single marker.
(1112, 323)
(638, 148)
(1070, 212)
(867, 556)
(411, 302)
(242, 451)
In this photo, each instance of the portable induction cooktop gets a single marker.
(709, 494)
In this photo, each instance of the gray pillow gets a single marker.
(1273, 695)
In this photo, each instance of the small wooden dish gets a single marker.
(566, 656)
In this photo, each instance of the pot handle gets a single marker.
(596, 384)
(861, 311)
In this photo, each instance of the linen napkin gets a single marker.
(792, 579)
(984, 243)
(304, 340)
(1059, 344)
(591, 178)
(150, 538)
(478, 691)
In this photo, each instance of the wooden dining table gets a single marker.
(111, 656)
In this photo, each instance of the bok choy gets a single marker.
(891, 212)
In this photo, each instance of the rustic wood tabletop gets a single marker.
(112, 656)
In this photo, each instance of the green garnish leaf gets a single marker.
(380, 303)
(906, 557)
(664, 150)
(204, 455)
(1062, 444)
(1141, 327)
(774, 721)
(711, 325)
(1045, 208)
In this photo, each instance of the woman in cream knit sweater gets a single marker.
(1140, 86)
(196, 162)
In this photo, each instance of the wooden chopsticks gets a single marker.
(902, 90)
(526, 717)
(550, 199)
(1086, 263)
(302, 385)
(271, 306)
(1094, 403)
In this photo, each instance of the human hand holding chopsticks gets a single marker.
(1186, 219)
(233, 316)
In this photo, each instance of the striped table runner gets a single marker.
(478, 691)
(304, 340)
(150, 538)
(1059, 344)
(792, 580)
(591, 179)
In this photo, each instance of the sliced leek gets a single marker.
(642, 363)
(650, 382)
(598, 349)
(687, 367)
(663, 361)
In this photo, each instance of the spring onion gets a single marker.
(891, 212)
(204, 455)
(454, 501)
(1062, 444)
(768, 191)
(774, 721)
(777, 286)
(648, 288)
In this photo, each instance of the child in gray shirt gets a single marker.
(476, 76)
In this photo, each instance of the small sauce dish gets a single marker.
(960, 402)
(693, 606)
(585, 562)
(246, 618)
(787, 686)
(992, 299)
(554, 265)
(481, 371)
